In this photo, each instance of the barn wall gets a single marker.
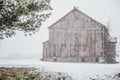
(76, 37)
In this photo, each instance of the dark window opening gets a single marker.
(83, 60)
(96, 59)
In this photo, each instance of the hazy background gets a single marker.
(30, 47)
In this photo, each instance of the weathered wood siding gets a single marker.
(75, 36)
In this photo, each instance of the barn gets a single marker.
(76, 37)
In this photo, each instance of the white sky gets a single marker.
(101, 10)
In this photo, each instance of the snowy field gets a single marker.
(77, 70)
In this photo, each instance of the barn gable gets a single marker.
(75, 19)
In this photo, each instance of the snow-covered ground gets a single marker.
(77, 70)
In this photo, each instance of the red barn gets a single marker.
(77, 37)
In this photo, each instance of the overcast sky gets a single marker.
(103, 11)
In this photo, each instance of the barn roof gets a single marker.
(73, 10)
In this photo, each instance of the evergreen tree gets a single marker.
(23, 15)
